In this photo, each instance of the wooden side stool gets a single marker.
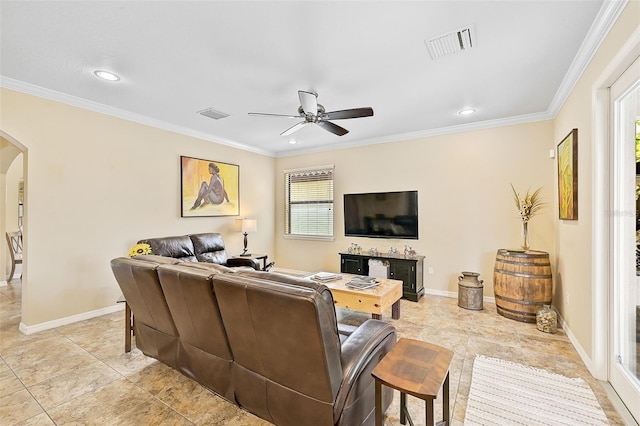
(416, 368)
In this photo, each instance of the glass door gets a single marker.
(624, 348)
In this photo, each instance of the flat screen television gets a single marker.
(382, 215)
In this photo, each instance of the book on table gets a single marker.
(325, 276)
(362, 282)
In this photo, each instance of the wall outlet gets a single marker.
(429, 270)
(566, 297)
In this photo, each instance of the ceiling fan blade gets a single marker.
(333, 128)
(265, 114)
(348, 113)
(309, 102)
(294, 128)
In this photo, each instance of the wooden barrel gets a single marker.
(522, 283)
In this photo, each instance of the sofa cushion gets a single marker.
(157, 259)
(192, 300)
(284, 345)
(213, 268)
(179, 247)
(156, 332)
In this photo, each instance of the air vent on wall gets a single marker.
(449, 43)
(212, 113)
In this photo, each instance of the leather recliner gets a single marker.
(290, 366)
(206, 247)
(267, 342)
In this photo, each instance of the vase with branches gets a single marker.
(528, 206)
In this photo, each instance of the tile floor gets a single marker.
(79, 374)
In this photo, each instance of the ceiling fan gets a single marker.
(310, 111)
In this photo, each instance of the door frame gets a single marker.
(601, 192)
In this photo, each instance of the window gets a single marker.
(309, 202)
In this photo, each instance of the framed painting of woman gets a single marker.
(209, 188)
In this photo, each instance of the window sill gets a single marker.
(308, 237)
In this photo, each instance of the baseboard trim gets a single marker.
(453, 294)
(576, 344)
(32, 329)
(3, 284)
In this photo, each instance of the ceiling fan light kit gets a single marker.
(311, 112)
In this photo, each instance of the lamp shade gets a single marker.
(249, 225)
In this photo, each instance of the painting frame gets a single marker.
(567, 155)
(208, 188)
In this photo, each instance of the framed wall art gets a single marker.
(209, 188)
(567, 154)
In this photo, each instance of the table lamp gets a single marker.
(248, 225)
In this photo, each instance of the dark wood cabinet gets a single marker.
(353, 265)
(408, 270)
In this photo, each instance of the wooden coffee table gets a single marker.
(416, 368)
(374, 300)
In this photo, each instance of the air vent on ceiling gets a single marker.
(212, 113)
(449, 43)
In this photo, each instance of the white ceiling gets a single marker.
(177, 58)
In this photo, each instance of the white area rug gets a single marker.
(506, 393)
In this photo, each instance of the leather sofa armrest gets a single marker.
(243, 261)
(346, 329)
(360, 353)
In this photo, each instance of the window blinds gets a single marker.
(309, 202)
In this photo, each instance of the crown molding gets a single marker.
(31, 89)
(470, 127)
(607, 16)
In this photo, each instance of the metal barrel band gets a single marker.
(520, 274)
(522, 302)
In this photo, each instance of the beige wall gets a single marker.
(95, 185)
(465, 201)
(574, 279)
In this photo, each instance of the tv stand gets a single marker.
(407, 269)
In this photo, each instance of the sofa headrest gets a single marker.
(179, 247)
(209, 247)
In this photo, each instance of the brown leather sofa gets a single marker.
(205, 247)
(267, 342)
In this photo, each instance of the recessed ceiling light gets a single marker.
(466, 111)
(293, 141)
(106, 75)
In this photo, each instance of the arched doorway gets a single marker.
(12, 163)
